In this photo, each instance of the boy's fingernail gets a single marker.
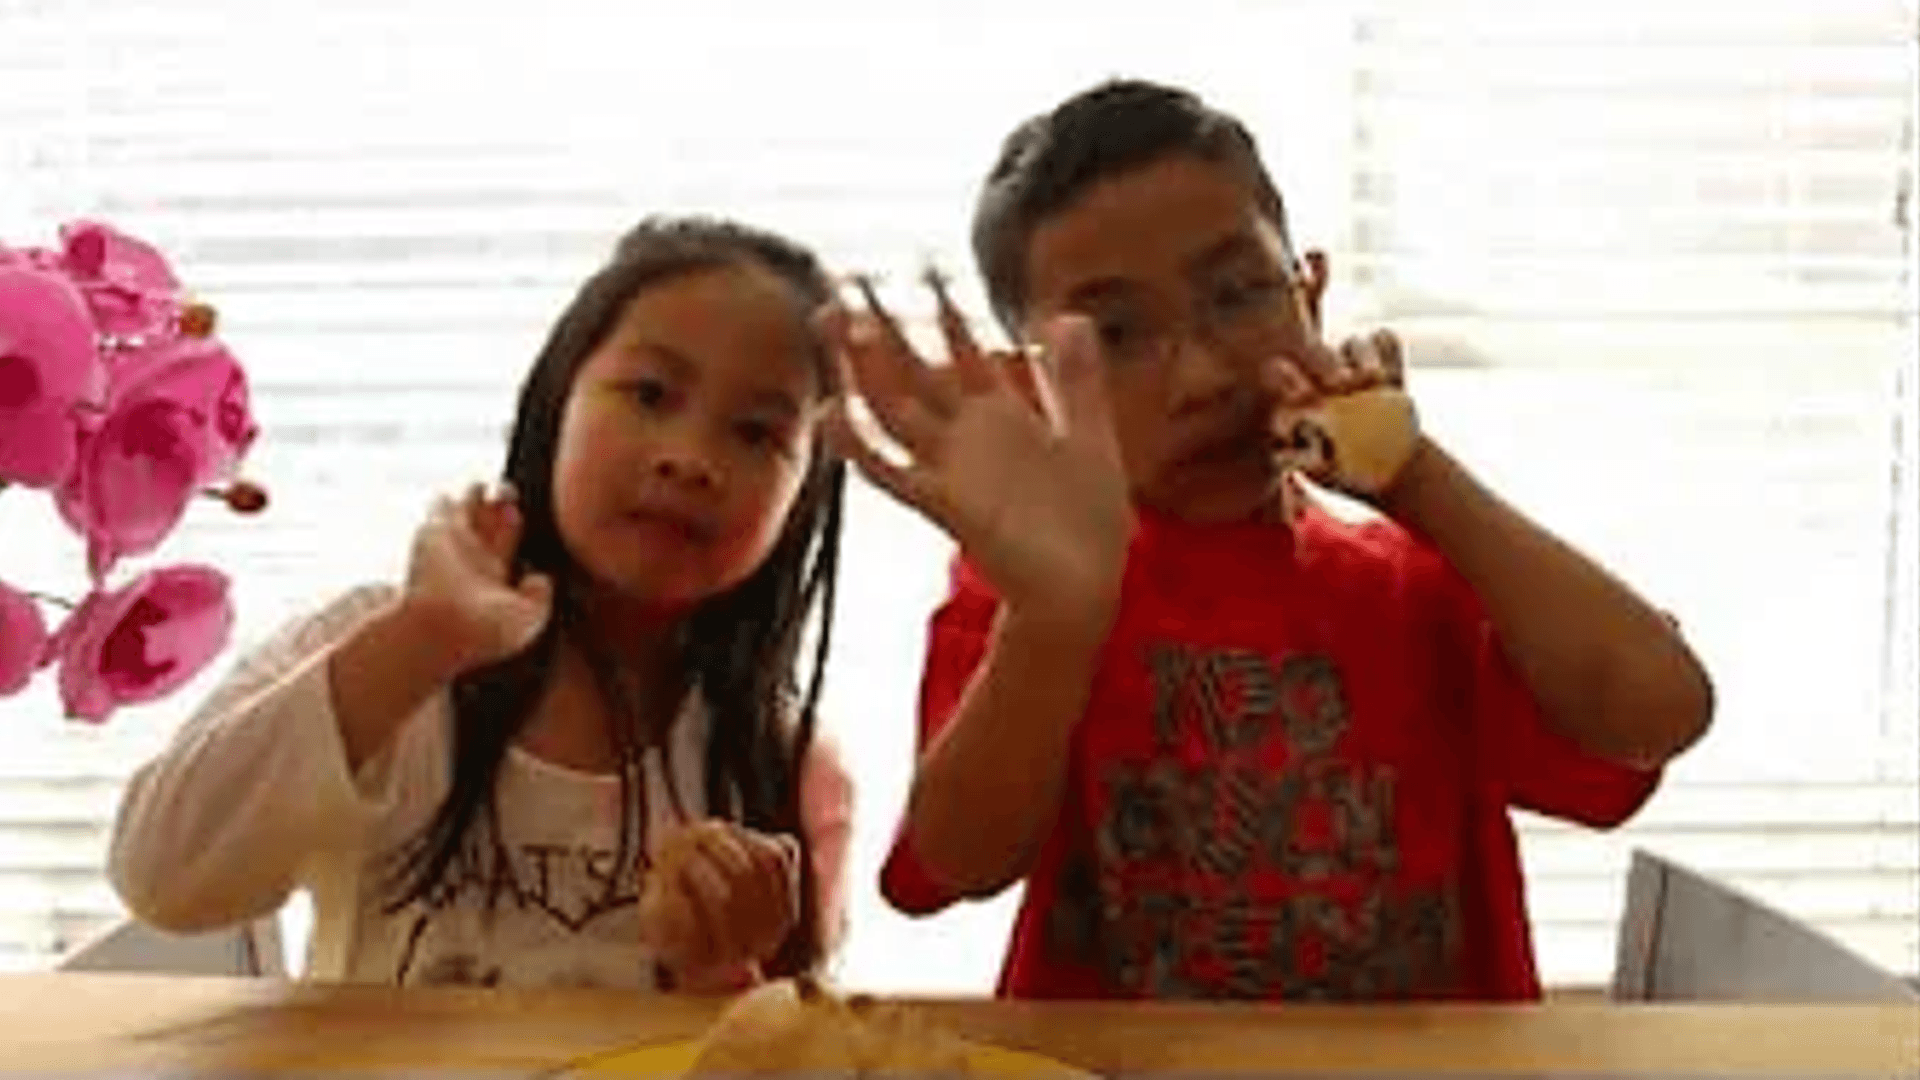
(937, 283)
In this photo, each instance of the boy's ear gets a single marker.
(1314, 282)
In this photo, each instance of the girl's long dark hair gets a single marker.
(741, 649)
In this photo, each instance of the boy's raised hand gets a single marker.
(1037, 498)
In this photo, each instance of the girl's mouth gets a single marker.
(682, 527)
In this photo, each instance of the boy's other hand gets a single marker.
(1343, 415)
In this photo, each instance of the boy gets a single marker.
(1234, 747)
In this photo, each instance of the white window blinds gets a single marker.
(1666, 245)
(1648, 256)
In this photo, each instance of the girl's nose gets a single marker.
(682, 458)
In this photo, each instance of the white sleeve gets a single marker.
(826, 814)
(215, 829)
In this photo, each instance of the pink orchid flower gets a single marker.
(180, 418)
(23, 639)
(141, 642)
(128, 285)
(49, 366)
(36, 258)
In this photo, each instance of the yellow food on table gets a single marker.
(797, 1026)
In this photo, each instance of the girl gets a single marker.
(468, 771)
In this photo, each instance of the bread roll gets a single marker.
(796, 1026)
(666, 915)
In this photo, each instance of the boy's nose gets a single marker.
(1200, 377)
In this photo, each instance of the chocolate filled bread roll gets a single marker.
(1358, 442)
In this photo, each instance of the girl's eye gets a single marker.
(649, 393)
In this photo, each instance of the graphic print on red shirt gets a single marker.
(1240, 854)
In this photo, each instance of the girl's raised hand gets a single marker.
(459, 579)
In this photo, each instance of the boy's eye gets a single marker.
(1244, 295)
(1119, 333)
(761, 434)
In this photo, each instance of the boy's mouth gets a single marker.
(1230, 449)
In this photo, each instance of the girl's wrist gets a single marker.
(433, 636)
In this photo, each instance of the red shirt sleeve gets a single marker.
(956, 643)
(1537, 768)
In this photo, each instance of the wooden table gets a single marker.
(166, 1026)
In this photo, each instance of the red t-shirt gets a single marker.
(1291, 780)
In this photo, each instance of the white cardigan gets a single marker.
(254, 798)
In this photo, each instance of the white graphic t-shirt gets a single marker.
(253, 799)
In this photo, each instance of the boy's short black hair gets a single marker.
(1114, 128)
